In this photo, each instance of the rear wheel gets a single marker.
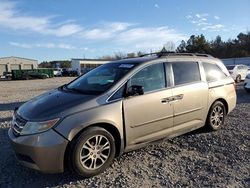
(93, 151)
(238, 78)
(216, 116)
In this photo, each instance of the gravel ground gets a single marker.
(197, 159)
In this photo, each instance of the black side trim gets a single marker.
(124, 129)
(25, 158)
(60, 134)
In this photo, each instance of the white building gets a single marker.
(237, 61)
(7, 64)
(84, 65)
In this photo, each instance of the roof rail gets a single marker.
(160, 54)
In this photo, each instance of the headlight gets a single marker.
(37, 127)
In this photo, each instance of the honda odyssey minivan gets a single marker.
(118, 107)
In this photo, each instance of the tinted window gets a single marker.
(245, 67)
(230, 67)
(118, 94)
(151, 78)
(186, 72)
(240, 67)
(213, 72)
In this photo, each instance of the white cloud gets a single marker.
(13, 19)
(156, 6)
(43, 45)
(22, 45)
(106, 30)
(202, 15)
(152, 37)
(216, 17)
(198, 16)
(216, 27)
(133, 37)
(118, 34)
(204, 22)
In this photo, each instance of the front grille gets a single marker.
(17, 124)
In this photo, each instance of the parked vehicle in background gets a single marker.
(34, 75)
(238, 72)
(6, 75)
(69, 72)
(248, 70)
(57, 72)
(247, 83)
(118, 107)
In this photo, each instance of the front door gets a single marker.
(148, 115)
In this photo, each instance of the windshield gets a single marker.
(101, 78)
(230, 67)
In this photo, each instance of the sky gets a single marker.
(50, 30)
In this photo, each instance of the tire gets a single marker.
(85, 153)
(238, 78)
(216, 116)
(247, 90)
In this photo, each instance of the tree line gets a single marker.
(232, 48)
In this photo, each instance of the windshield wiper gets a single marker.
(66, 88)
(77, 90)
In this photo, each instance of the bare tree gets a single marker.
(169, 46)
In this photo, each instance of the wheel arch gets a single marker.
(223, 101)
(108, 127)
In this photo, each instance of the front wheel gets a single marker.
(216, 116)
(93, 151)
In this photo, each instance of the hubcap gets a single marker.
(217, 116)
(95, 152)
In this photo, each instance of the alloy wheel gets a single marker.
(95, 152)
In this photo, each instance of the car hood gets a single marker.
(53, 104)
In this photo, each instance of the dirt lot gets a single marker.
(197, 159)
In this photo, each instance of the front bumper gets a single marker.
(43, 152)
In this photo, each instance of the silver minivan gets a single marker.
(118, 107)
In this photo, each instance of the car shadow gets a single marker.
(10, 106)
(242, 95)
(4, 119)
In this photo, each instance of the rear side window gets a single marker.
(230, 67)
(186, 72)
(213, 72)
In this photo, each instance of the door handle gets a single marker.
(167, 100)
(164, 101)
(178, 97)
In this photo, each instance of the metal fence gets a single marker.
(237, 61)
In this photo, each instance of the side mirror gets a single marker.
(135, 90)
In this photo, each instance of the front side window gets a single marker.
(150, 78)
(101, 79)
(186, 72)
(213, 72)
(230, 67)
(118, 94)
